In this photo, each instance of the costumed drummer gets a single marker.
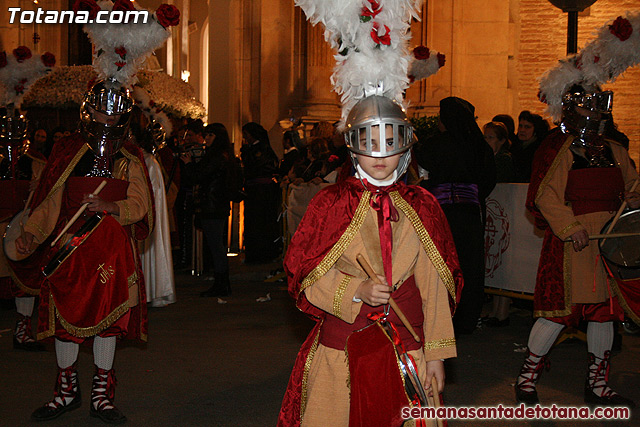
(578, 182)
(20, 169)
(97, 292)
(403, 234)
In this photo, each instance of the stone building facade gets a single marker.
(259, 60)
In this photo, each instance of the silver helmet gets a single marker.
(378, 118)
(105, 115)
(585, 114)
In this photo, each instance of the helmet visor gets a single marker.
(380, 140)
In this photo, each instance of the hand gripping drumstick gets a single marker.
(26, 205)
(622, 208)
(372, 275)
(77, 214)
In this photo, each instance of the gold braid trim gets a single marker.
(51, 330)
(441, 343)
(94, 330)
(305, 374)
(623, 303)
(127, 213)
(569, 227)
(337, 298)
(342, 244)
(136, 160)
(133, 279)
(553, 167)
(40, 230)
(67, 172)
(427, 243)
(566, 265)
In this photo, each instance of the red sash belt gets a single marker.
(334, 331)
(594, 190)
(78, 187)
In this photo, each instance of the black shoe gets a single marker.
(109, 416)
(613, 399)
(526, 397)
(493, 322)
(46, 412)
(28, 346)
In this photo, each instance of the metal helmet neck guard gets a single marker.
(585, 114)
(105, 115)
(378, 127)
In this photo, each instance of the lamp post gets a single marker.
(572, 7)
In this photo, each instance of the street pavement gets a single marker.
(213, 364)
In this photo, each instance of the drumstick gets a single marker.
(78, 213)
(372, 275)
(436, 398)
(622, 208)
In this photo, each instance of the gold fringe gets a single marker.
(305, 374)
(52, 321)
(94, 330)
(24, 288)
(342, 244)
(337, 298)
(441, 343)
(428, 245)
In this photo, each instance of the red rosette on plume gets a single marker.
(168, 15)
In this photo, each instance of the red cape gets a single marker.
(328, 216)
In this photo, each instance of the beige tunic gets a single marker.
(587, 279)
(327, 390)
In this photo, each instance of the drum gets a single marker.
(11, 234)
(623, 253)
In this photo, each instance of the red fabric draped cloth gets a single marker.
(86, 306)
(589, 190)
(326, 219)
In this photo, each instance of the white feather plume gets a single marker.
(17, 76)
(138, 40)
(151, 109)
(422, 68)
(601, 60)
(372, 51)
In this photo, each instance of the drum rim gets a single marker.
(25, 213)
(604, 229)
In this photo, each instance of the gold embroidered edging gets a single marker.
(427, 243)
(566, 265)
(441, 343)
(67, 172)
(569, 227)
(305, 374)
(126, 218)
(342, 244)
(24, 288)
(337, 298)
(553, 167)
